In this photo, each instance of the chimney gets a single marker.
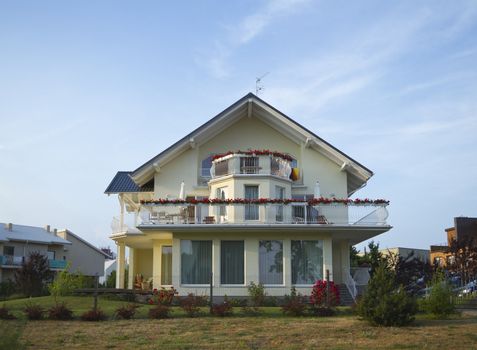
(47, 228)
(55, 232)
(9, 226)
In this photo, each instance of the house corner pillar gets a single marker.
(120, 265)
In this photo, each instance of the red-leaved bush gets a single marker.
(163, 296)
(319, 297)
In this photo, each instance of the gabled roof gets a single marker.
(68, 232)
(123, 183)
(250, 104)
(32, 234)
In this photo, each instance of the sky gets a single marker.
(88, 88)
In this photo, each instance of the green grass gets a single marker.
(270, 330)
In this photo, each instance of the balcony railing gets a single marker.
(235, 164)
(57, 264)
(257, 214)
(17, 261)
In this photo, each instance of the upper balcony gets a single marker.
(252, 163)
(329, 212)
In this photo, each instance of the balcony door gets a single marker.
(251, 210)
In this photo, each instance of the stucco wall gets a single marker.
(82, 257)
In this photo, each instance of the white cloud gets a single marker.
(246, 30)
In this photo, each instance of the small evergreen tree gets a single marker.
(439, 302)
(35, 272)
(385, 302)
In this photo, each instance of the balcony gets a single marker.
(17, 261)
(294, 213)
(57, 264)
(246, 164)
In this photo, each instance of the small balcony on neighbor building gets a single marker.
(284, 167)
(14, 261)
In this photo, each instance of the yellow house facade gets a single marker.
(249, 196)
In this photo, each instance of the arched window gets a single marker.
(205, 166)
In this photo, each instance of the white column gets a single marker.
(328, 257)
(121, 215)
(287, 269)
(176, 263)
(156, 264)
(132, 267)
(251, 260)
(216, 262)
(345, 263)
(120, 264)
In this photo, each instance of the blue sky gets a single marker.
(89, 88)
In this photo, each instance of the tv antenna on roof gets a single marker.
(258, 84)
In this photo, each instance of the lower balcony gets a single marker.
(17, 261)
(263, 214)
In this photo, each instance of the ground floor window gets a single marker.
(307, 261)
(271, 262)
(232, 262)
(166, 265)
(196, 262)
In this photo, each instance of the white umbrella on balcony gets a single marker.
(317, 191)
(182, 192)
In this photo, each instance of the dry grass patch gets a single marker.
(245, 333)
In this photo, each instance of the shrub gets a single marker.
(323, 311)
(439, 302)
(163, 296)
(34, 311)
(319, 294)
(65, 283)
(384, 302)
(7, 288)
(33, 275)
(5, 313)
(257, 293)
(223, 309)
(192, 303)
(93, 315)
(294, 304)
(126, 312)
(60, 312)
(160, 311)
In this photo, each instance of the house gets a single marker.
(62, 248)
(464, 227)
(421, 254)
(251, 195)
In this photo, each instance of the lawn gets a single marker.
(272, 330)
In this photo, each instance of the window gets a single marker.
(249, 165)
(279, 194)
(196, 262)
(270, 262)
(232, 262)
(8, 250)
(205, 167)
(307, 261)
(251, 210)
(222, 194)
(50, 254)
(166, 265)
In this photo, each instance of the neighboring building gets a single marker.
(464, 227)
(203, 208)
(61, 247)
(421, 254)
(82, 255)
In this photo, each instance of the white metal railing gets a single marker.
(116, 226)
(250, 165)
(350, 284)
(293, 213)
